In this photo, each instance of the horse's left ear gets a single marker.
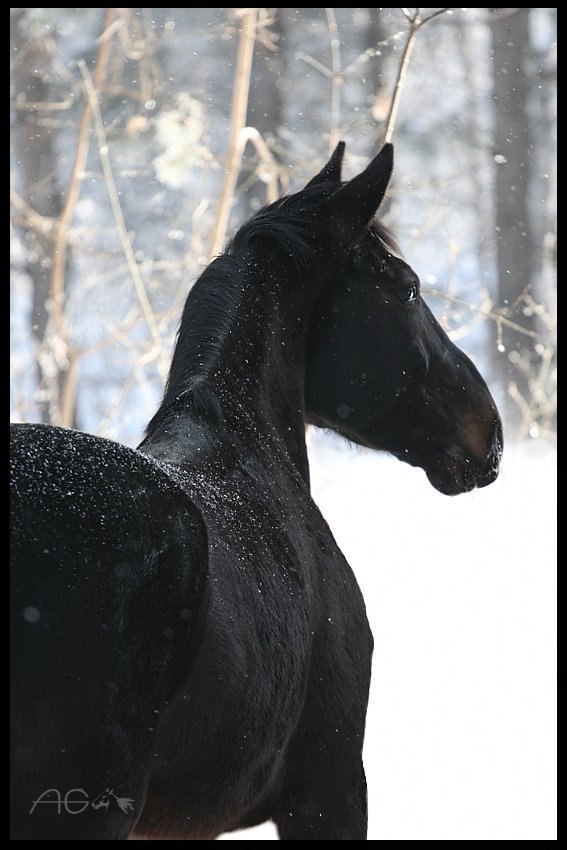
(355, 204)
(332, 170)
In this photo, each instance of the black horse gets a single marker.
(186, 631)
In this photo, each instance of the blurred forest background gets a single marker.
(142, 137)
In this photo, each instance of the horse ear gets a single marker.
(332, 170)
(355, 203)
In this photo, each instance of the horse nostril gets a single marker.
(497, 442)
(491, 468)
(480, 438)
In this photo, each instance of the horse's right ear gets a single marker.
(355, 203)
(332, 170)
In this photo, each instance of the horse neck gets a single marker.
(239, 358)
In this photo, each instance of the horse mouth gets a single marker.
(454, 478)
(457, 473)
(473, 461)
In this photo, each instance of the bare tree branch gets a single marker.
(163, 362)
(271, 168)
(57, 283)
(31, 218)
(43, 106)
(415, 24)
(74, 188)
(488, 314)
(336, 79)
(309, 60)
(435, 15)
(240, 91)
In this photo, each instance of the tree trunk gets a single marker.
(32, 60)
(515, 355)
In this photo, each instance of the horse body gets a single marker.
(189, 633)
(260, 595)
(281, 601)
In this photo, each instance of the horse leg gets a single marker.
(324, 795)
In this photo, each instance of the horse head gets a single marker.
(380, 369)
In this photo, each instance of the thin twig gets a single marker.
(364, 57)
(415, 24)
(57, 285)
(115, 404)
(309, 60)
(251, 134)
(64, 404)
(69, 389)
(336, 78)
(43, 106)
(435, 15)
(40, 223)
(404, 64)
(488, 314)
(239, 108)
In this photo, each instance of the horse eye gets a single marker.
(409, 295)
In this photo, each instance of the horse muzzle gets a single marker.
(460, 469)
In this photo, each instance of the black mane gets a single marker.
(283, 227)
(216, 296)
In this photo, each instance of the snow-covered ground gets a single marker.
(461, 597)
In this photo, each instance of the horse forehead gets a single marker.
(377, 265)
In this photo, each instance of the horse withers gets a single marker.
(187, 636)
